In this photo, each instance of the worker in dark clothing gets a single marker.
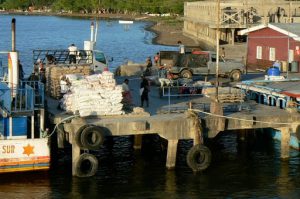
(21, 71)
(144, 90)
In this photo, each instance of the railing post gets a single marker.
(169, 95)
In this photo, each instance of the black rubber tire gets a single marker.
(92, 137)
(236, 75)
(186, 74)
(86, 165)
(198, 158)
(78, 135)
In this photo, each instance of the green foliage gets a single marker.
(136, 6)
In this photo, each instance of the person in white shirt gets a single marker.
(72, 53)
(181, 47)
(127, 98)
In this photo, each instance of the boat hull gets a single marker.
(294, 141)
(24, 155)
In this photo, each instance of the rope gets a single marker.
(198, 127)
(241, 119)
(67, 118)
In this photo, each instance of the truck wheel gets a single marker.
(235, 75)
(186, 74)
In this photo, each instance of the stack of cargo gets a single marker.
(94, 95)
(54, 74)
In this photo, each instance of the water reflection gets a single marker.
(248, 169)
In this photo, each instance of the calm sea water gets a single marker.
(250, 169)
(43, 32)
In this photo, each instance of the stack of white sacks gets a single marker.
(93, 95)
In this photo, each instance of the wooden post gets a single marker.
(75, 156)
(137, 142)
(285, 142)
(171, 154)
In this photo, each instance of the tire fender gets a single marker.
(198, 158)
(92, 137)
(78, 135)
(86, 165)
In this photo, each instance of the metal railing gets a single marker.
(62, 56)
(16, 100)
(29, 95)
(39, 92)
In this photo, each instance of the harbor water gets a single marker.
(249, 168)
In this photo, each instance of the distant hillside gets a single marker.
(97, 6)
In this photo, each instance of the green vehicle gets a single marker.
(200, 63)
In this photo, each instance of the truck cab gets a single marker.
(100, 61)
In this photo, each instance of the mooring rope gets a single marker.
(241, 119)
(65, 119)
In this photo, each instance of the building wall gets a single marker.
(200, 18)
(268, 38)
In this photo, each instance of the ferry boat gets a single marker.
(23, 144)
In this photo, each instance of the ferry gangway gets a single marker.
(62, 56)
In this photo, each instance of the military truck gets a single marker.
(200, 63)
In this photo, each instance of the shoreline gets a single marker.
(166, 33)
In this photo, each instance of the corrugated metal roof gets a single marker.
(289, 27)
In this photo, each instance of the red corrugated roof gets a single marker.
(291, 93)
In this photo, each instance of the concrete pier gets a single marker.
(204, 117)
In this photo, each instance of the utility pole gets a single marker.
(217, 49)
(288, 42)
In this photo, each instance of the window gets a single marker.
(99, 56)
(213, 57)
(272, 54)
(258, 52)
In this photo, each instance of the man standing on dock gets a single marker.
(181, 47)
(72, 54)
(144, 90)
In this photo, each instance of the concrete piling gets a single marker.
(75, 156)
(285, 142)
(138, 142)
(171, 154)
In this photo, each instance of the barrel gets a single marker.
(294, 67)
(273, 71)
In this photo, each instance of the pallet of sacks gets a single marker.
(54, 73)
(94, 95)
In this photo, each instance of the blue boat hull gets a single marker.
(294, 141)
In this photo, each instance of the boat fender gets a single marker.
(86, 165)
(92, 137)
(199, 158)
(78, 135)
